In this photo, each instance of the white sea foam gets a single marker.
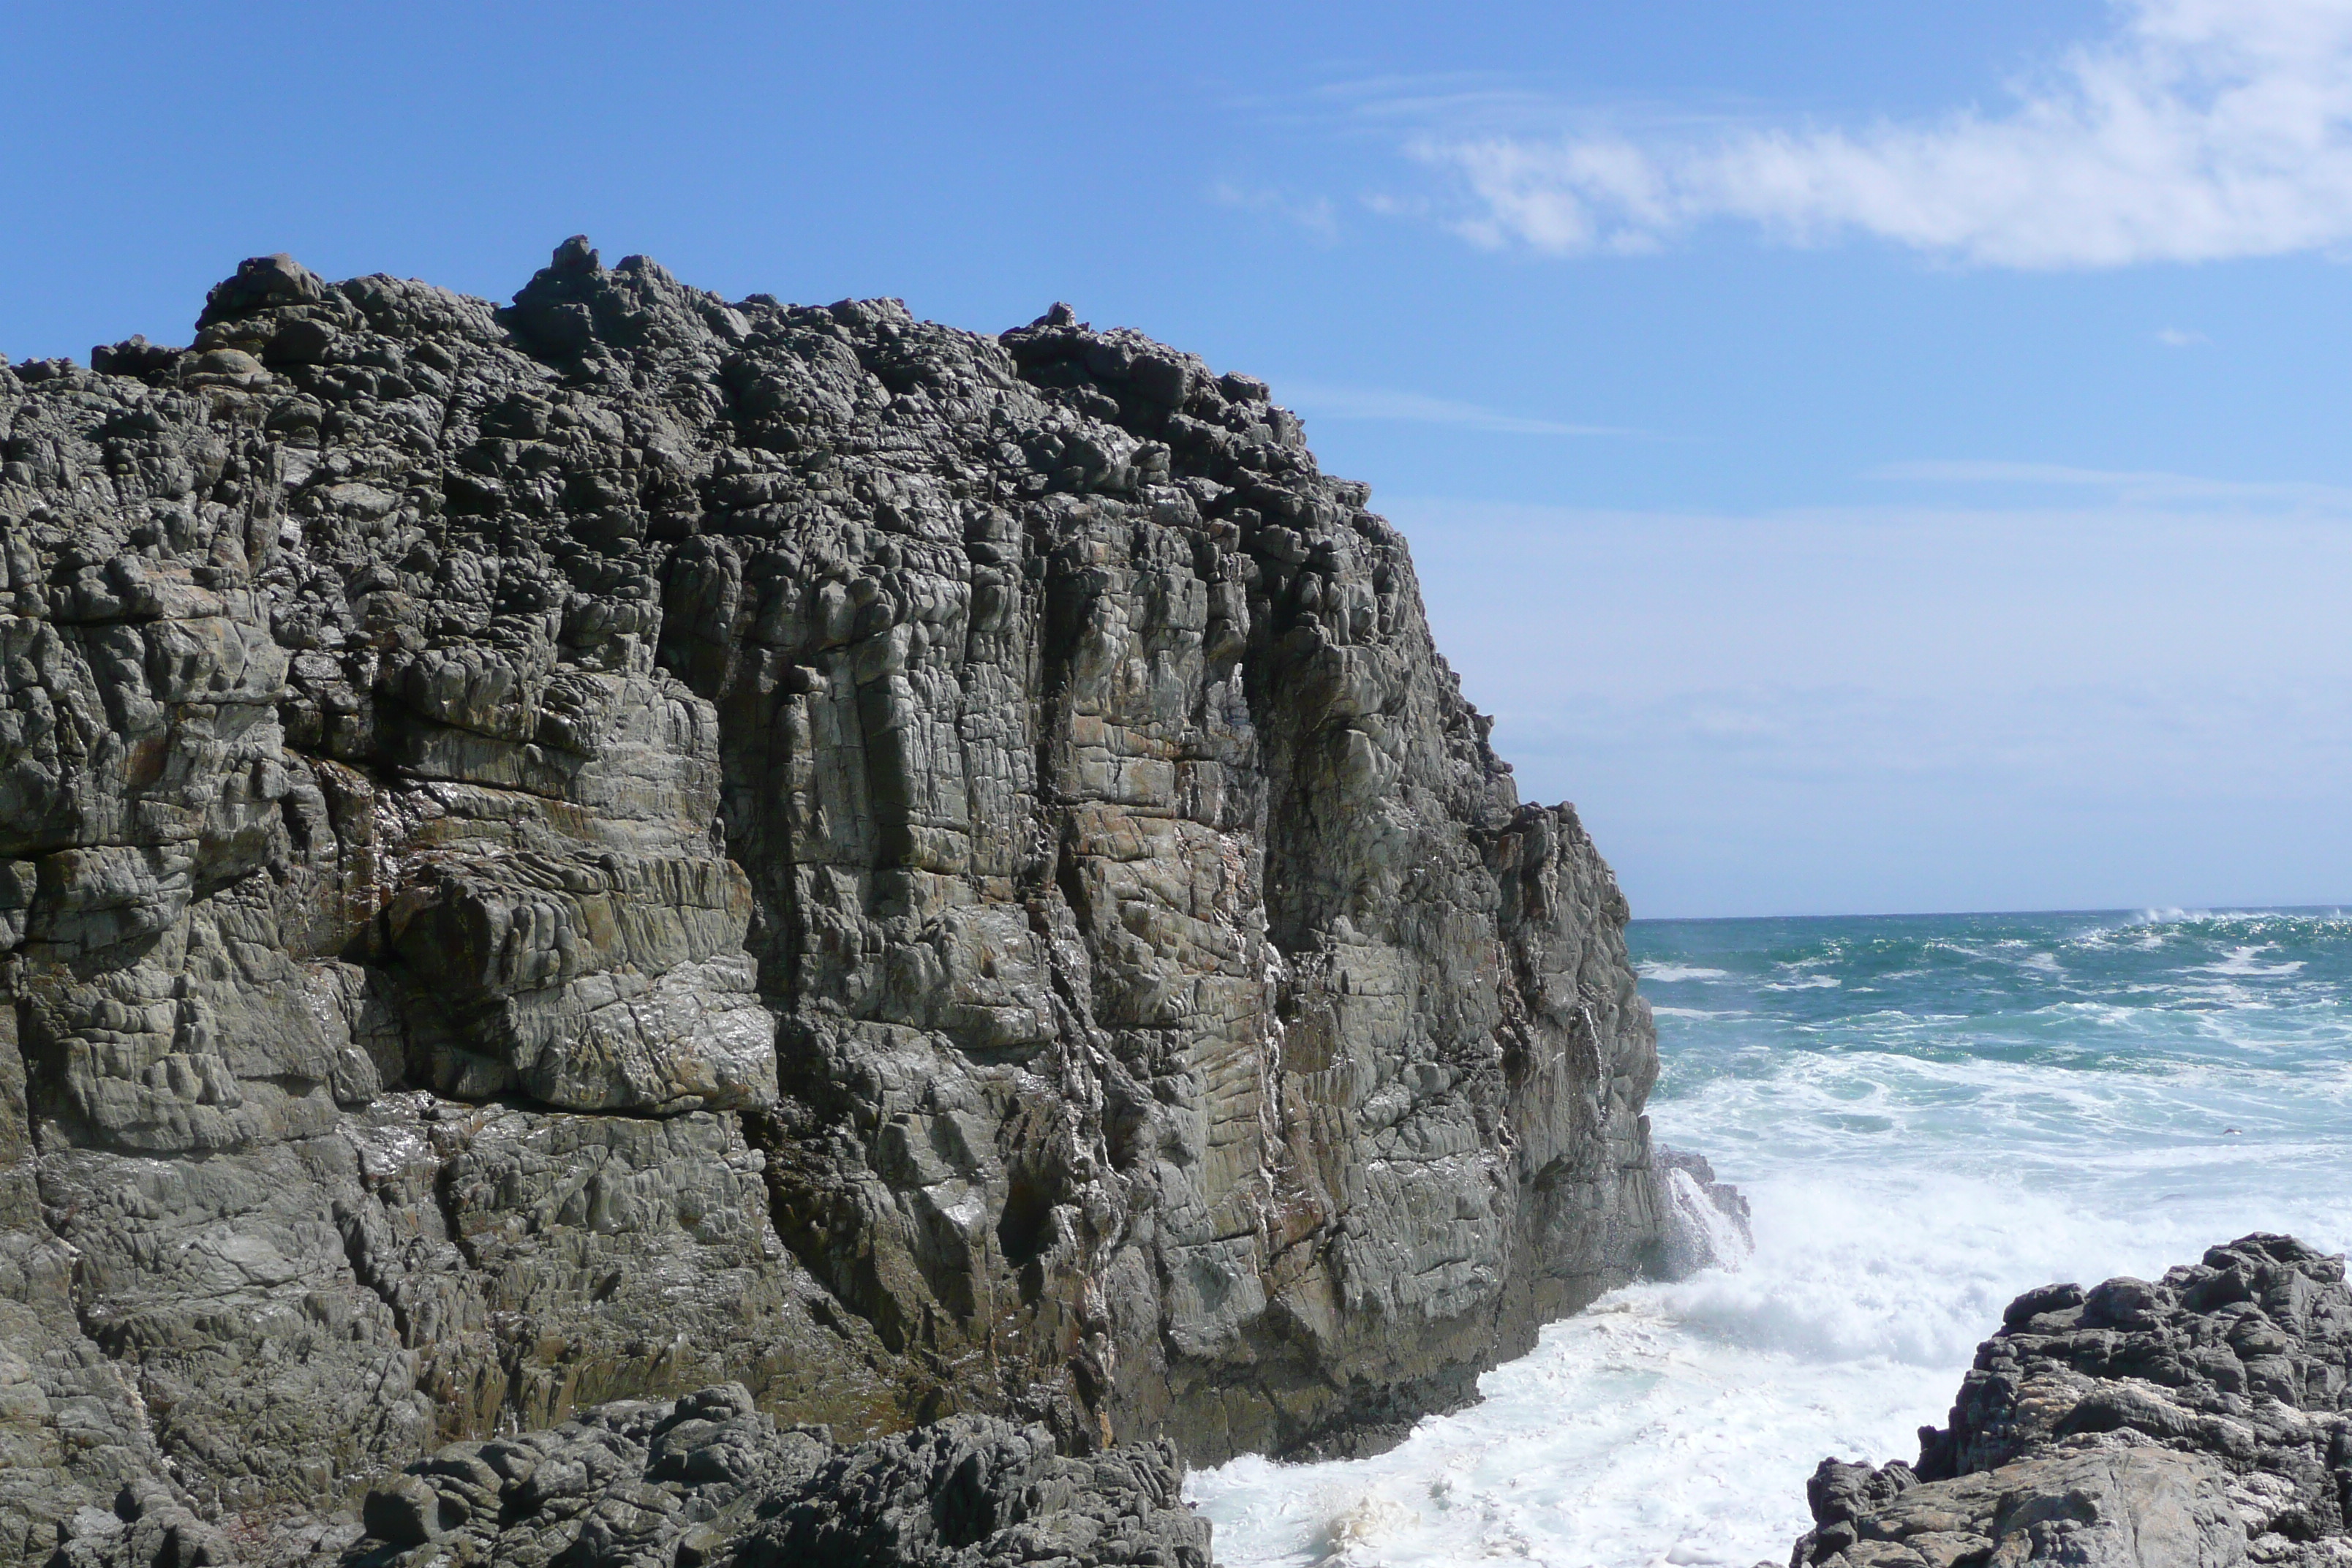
(1669, 974)
(1912, 1165)
(1678, 1423)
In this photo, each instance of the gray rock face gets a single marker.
(2201, 1420)
(633, 842)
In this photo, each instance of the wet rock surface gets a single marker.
(2202, 1419)
(631, 842)
(1702, 1223)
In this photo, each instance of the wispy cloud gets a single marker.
(2136, 487)
(2175, 338)
(1327, 401)
(1319, 216)
(2198, 130)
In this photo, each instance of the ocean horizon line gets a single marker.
(2146, 912)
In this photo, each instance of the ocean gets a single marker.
(1930, 1114)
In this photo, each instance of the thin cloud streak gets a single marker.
(1327, 401)
(2200, 130)
(2141, 486)
(1891, 707)
(1316, 214)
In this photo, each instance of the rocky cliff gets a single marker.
(2201, 1420)
(626, 843)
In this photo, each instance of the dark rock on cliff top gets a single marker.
(2204, 1419)
(582, 851)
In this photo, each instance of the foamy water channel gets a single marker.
(1929, 1115)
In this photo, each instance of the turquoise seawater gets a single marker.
(1930, 1113)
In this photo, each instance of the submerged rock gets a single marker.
(2203, 1420)
(631, 842)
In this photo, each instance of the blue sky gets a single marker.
(1870, 457)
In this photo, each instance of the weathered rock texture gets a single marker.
(708, 1481)
(2201, 1420)
(704, 1481)
(587, 850)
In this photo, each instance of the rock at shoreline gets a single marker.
(2201, 1420)
(582, 851)
(1702, 1223)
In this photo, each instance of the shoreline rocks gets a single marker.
(2201, 1420)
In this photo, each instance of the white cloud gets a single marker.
(1333, 401)
(2175, 338)
(2199, 129)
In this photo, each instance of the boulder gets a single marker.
(2195, 1421)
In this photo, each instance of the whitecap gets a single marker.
(2242, 961)
(1669, 974)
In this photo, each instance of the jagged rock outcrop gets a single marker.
(710, 1480)
(705, 1482)
(2201, 1420)
(631, 842)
